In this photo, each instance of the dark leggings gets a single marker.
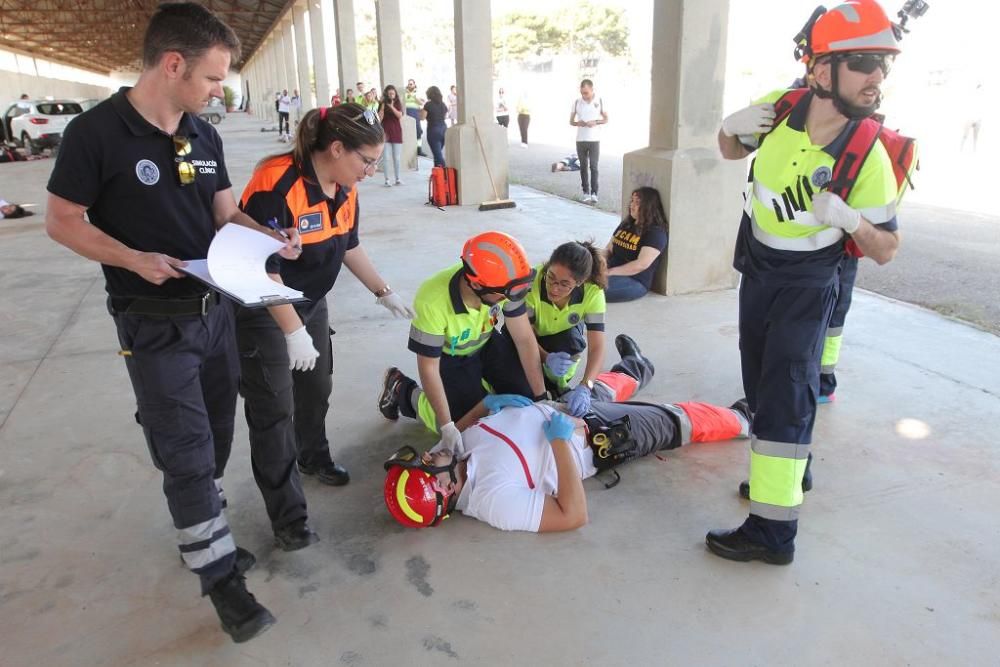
(435, 137)
(523, 120)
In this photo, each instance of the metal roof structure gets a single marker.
(106, 35)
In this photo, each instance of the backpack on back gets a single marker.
(901, 150)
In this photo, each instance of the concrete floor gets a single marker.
(898, 551)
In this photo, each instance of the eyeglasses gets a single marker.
(550, 280)
(866, 63)
(371, 164)
(185, 170)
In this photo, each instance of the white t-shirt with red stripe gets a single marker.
(510, 468)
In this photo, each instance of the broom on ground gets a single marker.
(497, 203)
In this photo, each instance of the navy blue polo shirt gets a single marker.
(124, 170)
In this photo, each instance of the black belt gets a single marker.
(132, 305)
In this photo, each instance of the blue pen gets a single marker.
(273, 224)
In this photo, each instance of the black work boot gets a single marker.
(807, 481)
(627, 347)
(242, 617)
(735, 545)
(296, 535)
(328, 473)
(388, 400)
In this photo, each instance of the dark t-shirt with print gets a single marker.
(626, 244)
(436, 112)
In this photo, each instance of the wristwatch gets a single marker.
(382, 292)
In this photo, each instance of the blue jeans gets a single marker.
(624, 288)
(415, 115)
(435, 137)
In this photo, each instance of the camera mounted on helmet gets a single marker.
(412, 492)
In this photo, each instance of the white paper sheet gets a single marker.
(236, 267)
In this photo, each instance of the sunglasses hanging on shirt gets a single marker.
(185, 170)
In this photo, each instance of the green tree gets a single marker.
(596, 28)
(518, 35)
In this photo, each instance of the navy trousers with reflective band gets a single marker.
(848, 274)
(781, 340)
(266, 384)
(312, 388)
(184, 374)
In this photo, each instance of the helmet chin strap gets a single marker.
(852, 111)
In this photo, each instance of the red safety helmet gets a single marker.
(495, 262)
(412, 492)
(852, 27)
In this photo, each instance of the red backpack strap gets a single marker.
(783, 105)
(852, 158)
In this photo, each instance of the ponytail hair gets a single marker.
(584, 260)
(349, 123)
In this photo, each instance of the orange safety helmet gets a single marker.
(412, 492)
(496, 262)
(851, 27)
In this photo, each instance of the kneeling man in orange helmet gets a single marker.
(524, 464)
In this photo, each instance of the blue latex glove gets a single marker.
(578, 400)
(558, 363)
(497, 402)
(560, 427)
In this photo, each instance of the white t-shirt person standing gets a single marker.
(587, 115)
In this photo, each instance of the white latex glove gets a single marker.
(831, 210)
(451, 439)
(751, 120)
(301, 353)
(395, 305)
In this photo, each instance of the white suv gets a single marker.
(38, 124)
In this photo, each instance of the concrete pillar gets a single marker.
(288, 49)
(274, 84)
(473, 64)
(302, 56)
(347, 46)
(701, 191)
(321, 68)
(390, 58)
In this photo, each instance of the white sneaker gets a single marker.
(524, 145)
(586, 198)
(388, 184)
(593, 199)
(399, 182)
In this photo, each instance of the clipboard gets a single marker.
(250, 293)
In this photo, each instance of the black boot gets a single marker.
(735, 545)
(296, 535)
(627, 347)
(242, 617)
(328, 473)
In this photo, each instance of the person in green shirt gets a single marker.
(472, 336)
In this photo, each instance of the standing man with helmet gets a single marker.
(151, 177)
(790, 250)
(457, 348)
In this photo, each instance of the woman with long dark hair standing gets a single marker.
(636, 247)
(286, 357)
(390, 110)
(434, 112)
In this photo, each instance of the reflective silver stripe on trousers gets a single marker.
(203, 532)
(833, 332)
(784, 450)
(774, 512)
(682, 419)
(594, 318)
(827, 369)
(425, 338)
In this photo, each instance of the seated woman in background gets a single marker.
(635, 248)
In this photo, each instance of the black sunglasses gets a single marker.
(185, 170)
(866, 63)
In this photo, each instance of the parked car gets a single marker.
(214, 111)
(38, 124)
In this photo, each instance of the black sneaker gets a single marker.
(296, 535)
(328, 473)
(243, 564)
(388, 400)
(735, 545)
(242, 617)
(627, 347)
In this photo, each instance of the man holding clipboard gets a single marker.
(151, 177)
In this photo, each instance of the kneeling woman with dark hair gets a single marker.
(286, 357)
(636, 247)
